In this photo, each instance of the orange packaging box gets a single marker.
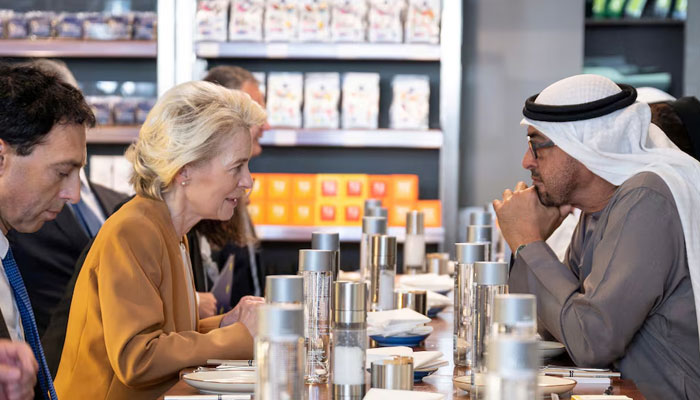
(397, 213)
(303, 187)
(432, 212)
(404, 188)
(379, 186)
(258, 190)
(279, 186)
(328, 185)
(277, 212)
(257, 212)
(327, 212)
(352, 212)
(303, 213)
(355, 186)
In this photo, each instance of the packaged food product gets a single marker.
(321, 96)
(432, 212)
(398, 211)
(16, 26)
(277, 212)
(385, 21)
(212, 20)
(142, 109)
(351, 212)
(284, 99)
(145, 25)
(423, 21)
(246, 22)
(97, 26)
(314, 20)
(328, 186)
(303, 213)
(349, 20)
(102, 108)
(257, 213)
(260, 77)
(281, 20)
(39, 24)
(303, 187)
(257, 193)
(327, 212)
(354, 186)
(124, 111)
(404, 188)
(68, 26)
(279, 186)
(410, 105)
(360, 100)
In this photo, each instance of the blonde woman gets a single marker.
(133, 322)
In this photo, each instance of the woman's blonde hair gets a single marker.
(187, 125)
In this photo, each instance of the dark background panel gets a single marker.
(78, 5)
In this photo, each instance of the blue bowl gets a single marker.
(419, 375)
(443, 292)
(388, 341)
(433, 312)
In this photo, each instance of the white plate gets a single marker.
(547, 384)
(551, 349)
(222, 382)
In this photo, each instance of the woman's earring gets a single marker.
(183, 183)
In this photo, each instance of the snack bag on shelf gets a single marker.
(145, 25)
(15, 25)
(410, 106)
(99, 26)
(68, 26)
(260, 77)
(281, 20)
(39, 24)
(349, 20)
(360, 100)
(212, 20)
(102, 108)
(143, 108)
(284, 99)
(314, 20)
(385, 21)
(303, 213)
(321, 96)
(246, 20)
(124, 111)
(423, 21)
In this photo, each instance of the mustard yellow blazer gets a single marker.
(130, 328)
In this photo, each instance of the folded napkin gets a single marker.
(353, 276)
(435, 300)
(434, 282)
(385, 394)
(397, 322)
(422, 360)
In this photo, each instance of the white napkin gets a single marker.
(383, 353)
(422, 360)
(353, 276)
(385, 394)
(434, 282)
(437, 300)
(397, 322)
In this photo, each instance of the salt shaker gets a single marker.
(414, 245)
(481, 234)
(371, 203)
(328, 241)
(490, 279)
(349, 340)
(279, 352)
(288, 289)
(481, 218)
(515, 315)
(383, 268)
(315, 267)
(377, 212)
(513, 366)
(467, 255)
(370, 226)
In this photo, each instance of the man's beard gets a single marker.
(558, 192)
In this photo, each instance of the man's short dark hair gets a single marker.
(665, 117)
(229, 76)
(32, 102)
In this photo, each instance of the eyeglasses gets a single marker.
(535, 146)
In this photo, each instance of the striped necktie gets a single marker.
(31, 335)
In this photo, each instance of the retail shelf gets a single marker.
(634, 22)
(339, 51)
(113, 134)
(66, 48)
(347, 233)
(382, 138)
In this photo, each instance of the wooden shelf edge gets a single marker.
(68, 48)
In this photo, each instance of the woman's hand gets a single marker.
(206, 304)
(246, 313)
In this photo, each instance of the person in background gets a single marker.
(47, 257)
(42, 149)
(221, 245)
(134, 321)
(624, 294)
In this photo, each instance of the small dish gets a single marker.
(433, 311)
(551, 349)
(547, 384)
(222, 382)
(388, 341)
(418, 375)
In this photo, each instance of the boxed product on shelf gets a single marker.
(16, 26)
(39, 24)
(314, 20)
(277, 212)
(142, 109)
(281, 20)
(302, 213)
(384, 21)
(379, 186)
(279, 187)
(246, 21)
(100, 26)
(354, 186)
(410, 105)
(212, 20)
(102, 108)
(257, 192)
(124, 111)
(398, 211)
(284, 97)
(257, 213)
(404, 188)
(349, 20)
(327, 213)
(144, 26)
(351, 212)
(360, 103)
(423, 21)
(68, 26)
(432, 212)
(303, 187)
(260, 77)
(321, 96)
(328, 185)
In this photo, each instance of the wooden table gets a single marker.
(441, 380)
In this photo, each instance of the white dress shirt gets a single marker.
(89, 198)
(8, 306)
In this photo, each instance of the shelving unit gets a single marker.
(379, 138)
(65, 48)
(347, 233)
(112, 134)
